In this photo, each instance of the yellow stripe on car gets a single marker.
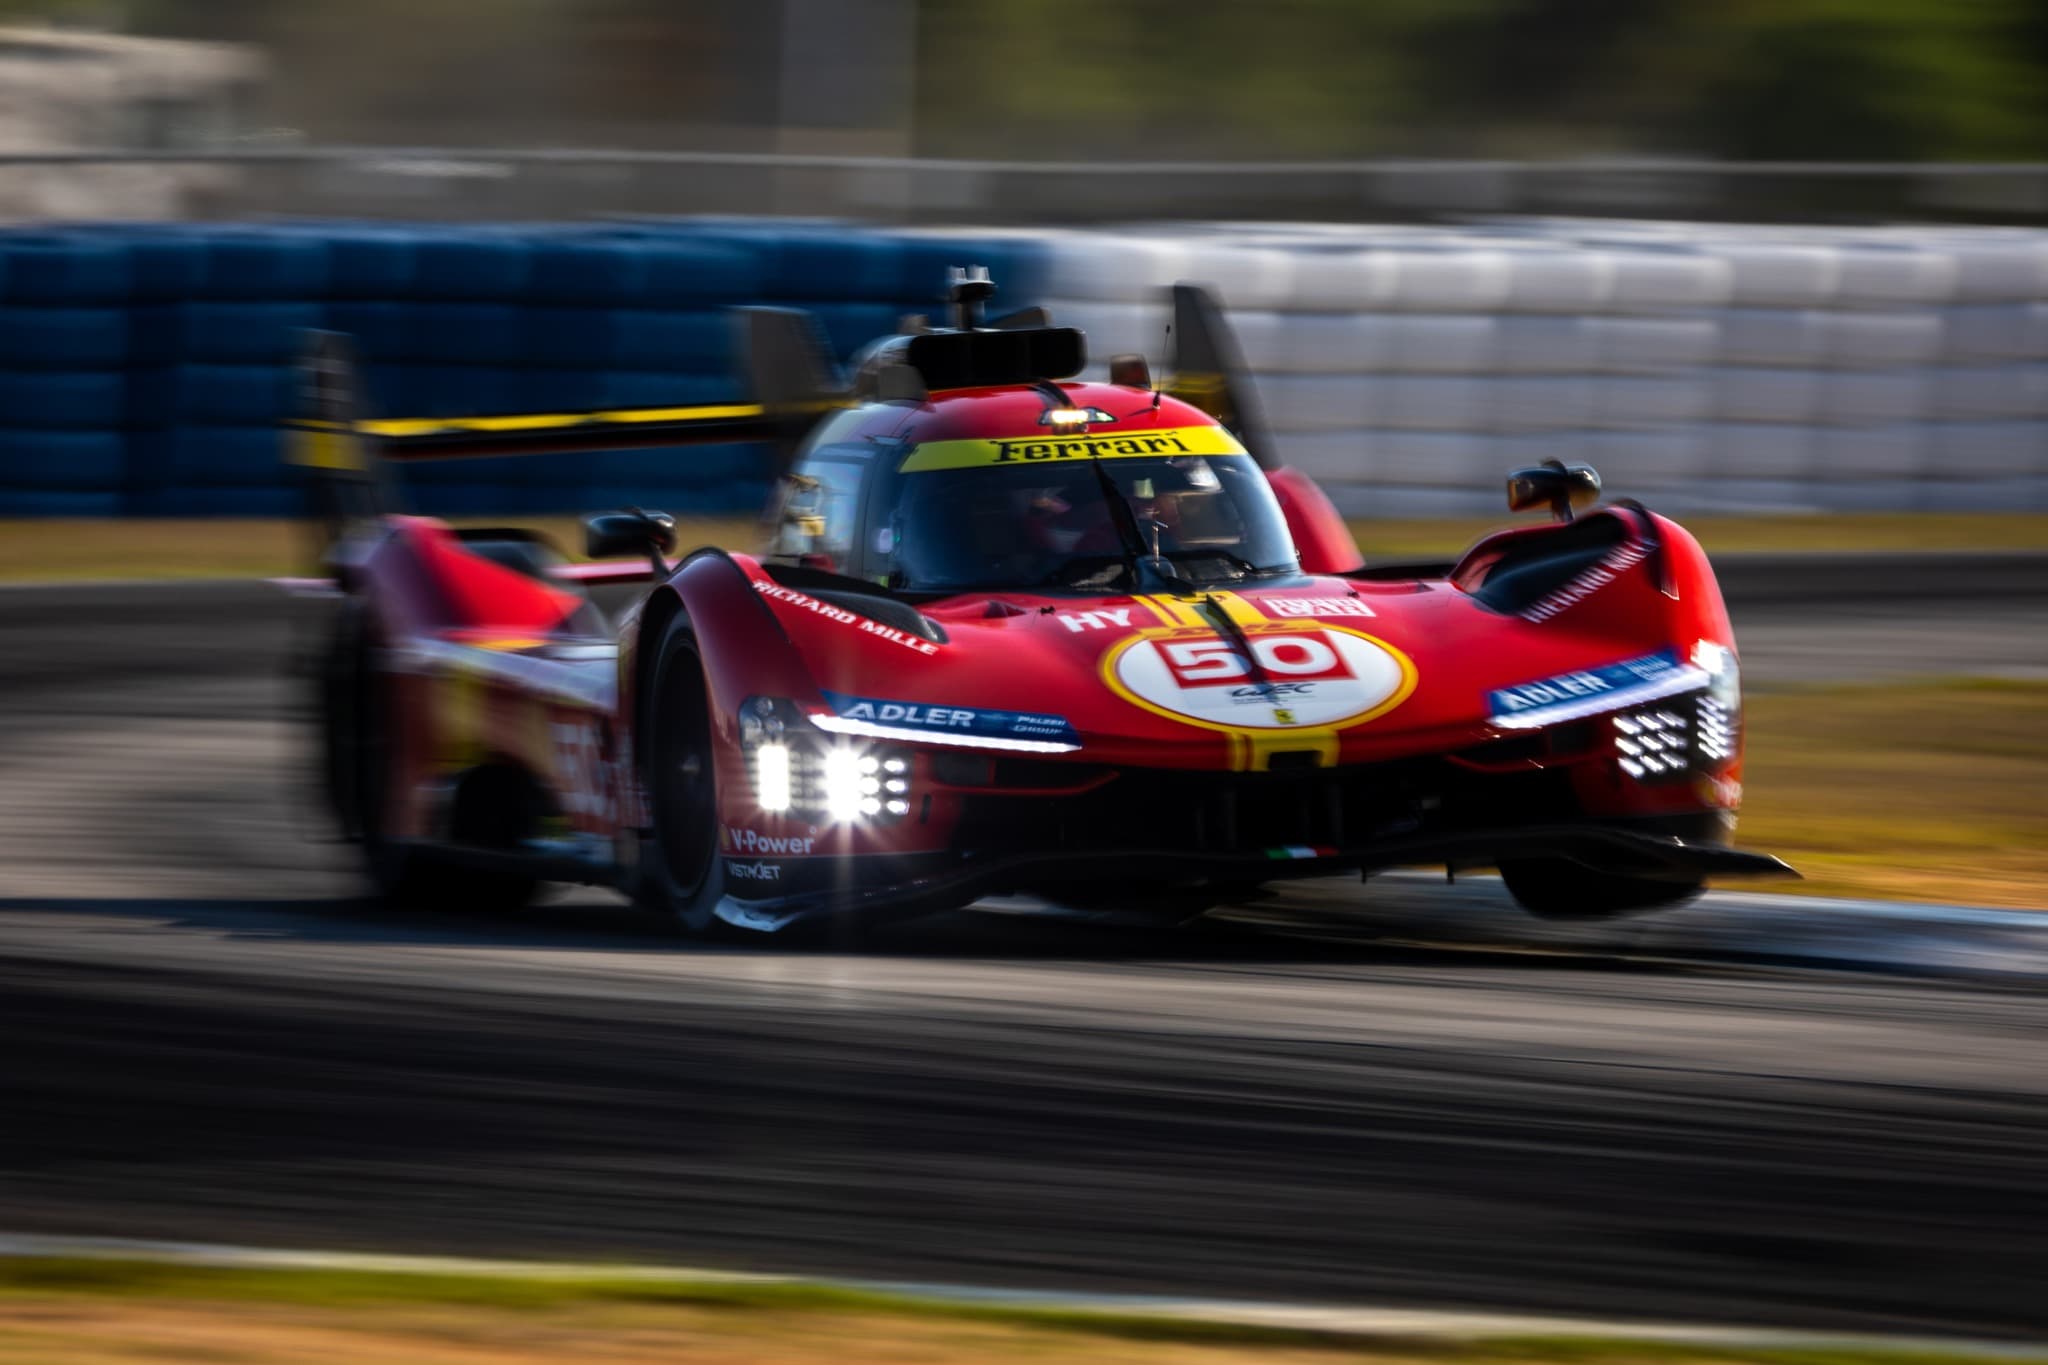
(1024, 450)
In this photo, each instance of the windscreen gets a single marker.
(1052, 525)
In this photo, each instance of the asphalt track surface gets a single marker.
(206, 1038)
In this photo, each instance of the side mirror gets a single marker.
(1554, 484)
(607, 535)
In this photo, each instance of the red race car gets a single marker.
(1010, 633)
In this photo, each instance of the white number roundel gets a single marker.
(1311, 677)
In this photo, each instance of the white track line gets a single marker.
(1331, 1320)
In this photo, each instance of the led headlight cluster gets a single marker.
(796, 770)
(1696, 733)
(1715, 736)
(1653, 742)
(861, 784)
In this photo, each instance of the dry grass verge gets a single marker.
(1933, 791)
(48, 551)
(132, 1313)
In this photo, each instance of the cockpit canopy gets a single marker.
(1054, 513)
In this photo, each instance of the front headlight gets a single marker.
(798, 770)
(1695, 733)
(1719, 734)
(771, 776)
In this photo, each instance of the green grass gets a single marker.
(57, 550)
(741, 1320)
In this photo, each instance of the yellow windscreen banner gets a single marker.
(1024, 450)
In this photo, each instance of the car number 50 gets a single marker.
(1300, 657)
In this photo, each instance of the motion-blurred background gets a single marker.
(1779, 268)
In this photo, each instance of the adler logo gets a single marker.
(1081, 447)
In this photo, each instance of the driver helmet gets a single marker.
(1167, 491)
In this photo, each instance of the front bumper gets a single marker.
(1634, 852)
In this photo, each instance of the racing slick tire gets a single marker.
(684, 874)
(357, 751)
(1557, 889)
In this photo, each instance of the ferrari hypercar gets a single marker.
(1008, 633)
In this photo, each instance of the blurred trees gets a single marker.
(1849, 79)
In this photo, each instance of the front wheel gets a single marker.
(1554, 888)
(360, 739)
(685, 876)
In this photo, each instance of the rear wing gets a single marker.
(792, 380)
(344, 455)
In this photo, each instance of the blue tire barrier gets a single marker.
(73, 268)
(187, 357)
(548, 390)
(467, 333)
(149, 468)
(166, 261)
(83, 399)
(371, 263)
(382, 333)
(839, 265)
(264, 265)
(626, 339)
(46, 502)
(444, 391)
(271, 499)
(472, 265)
(700, 340)
(239, 395)
(682, 273)
(388, 390)
(569, 337)
(156, 334)
(63, 338)
(82, 461)
(152, 402)
(666, 389)
(225, 457)
(247, 332)
(644, 268)
(589, 271)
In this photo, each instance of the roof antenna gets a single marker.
(967, 289)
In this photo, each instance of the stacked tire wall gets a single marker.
(145, 371)
(1705, 368)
